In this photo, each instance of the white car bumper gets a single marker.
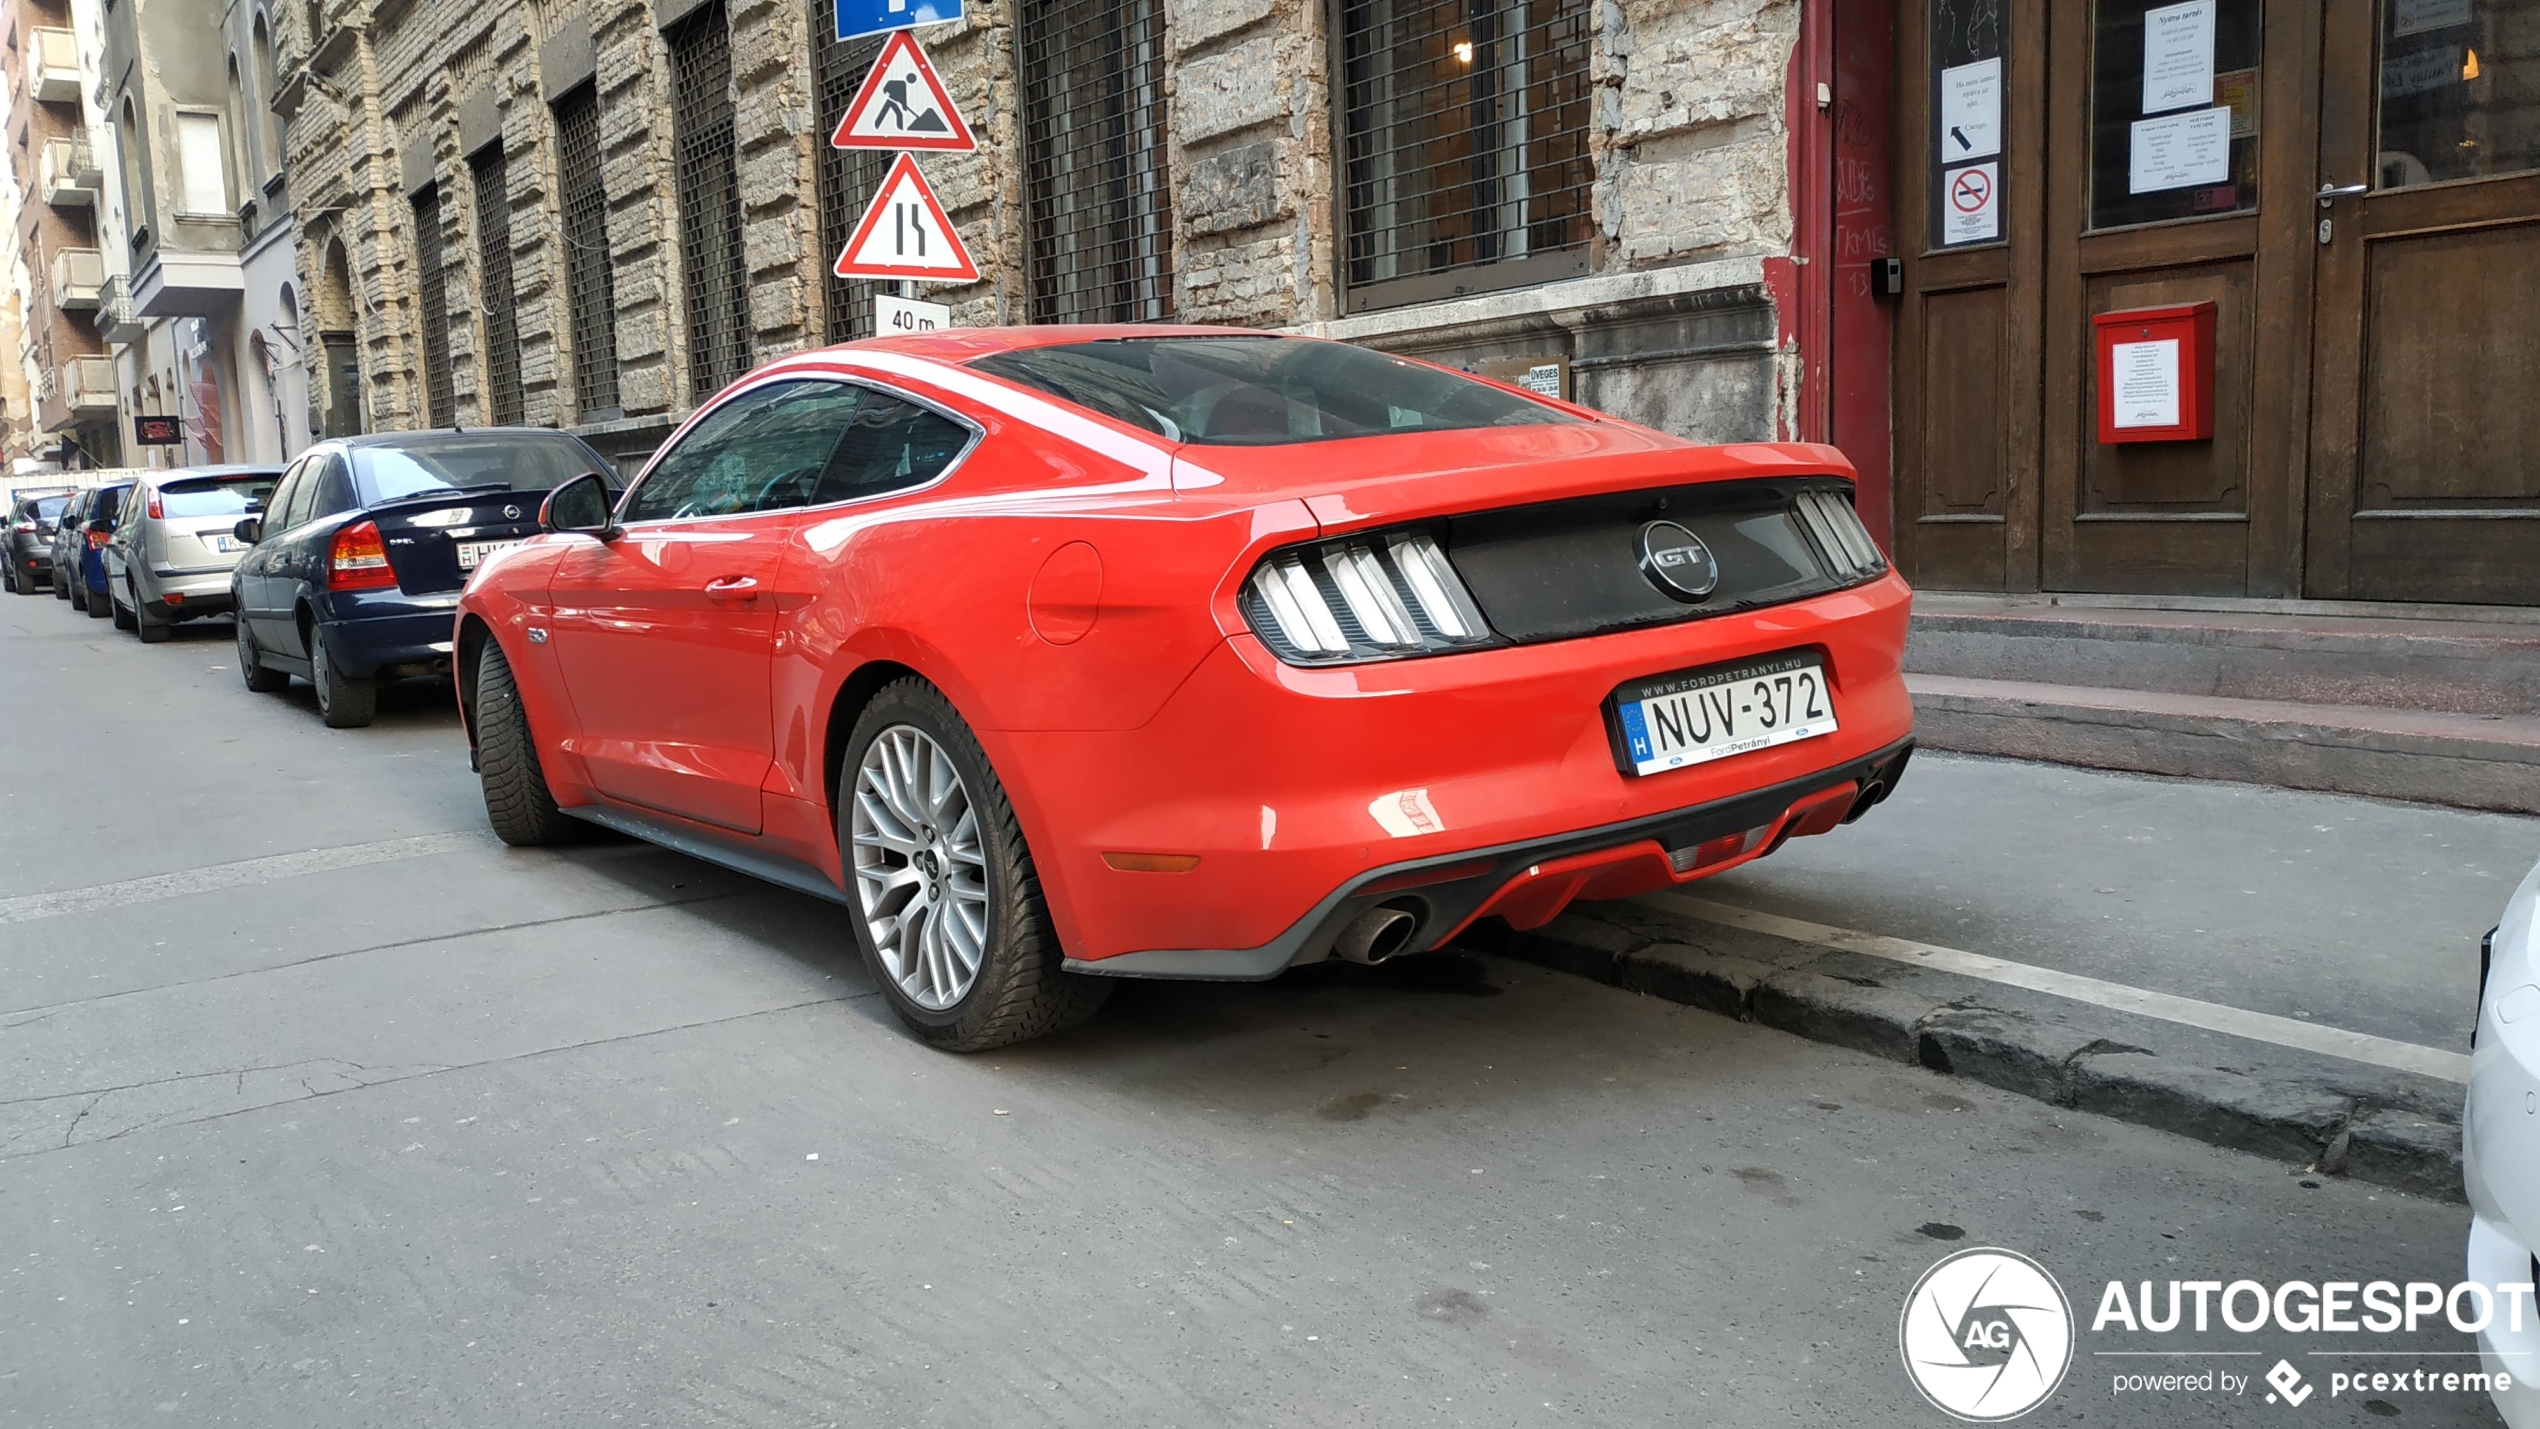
(2500, 1148)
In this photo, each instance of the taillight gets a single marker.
(97, 540)
(1375, 597)
(157, 511)
(1836, 528)
(359, 560)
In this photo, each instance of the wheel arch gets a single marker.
(472, 635)
(857, 691)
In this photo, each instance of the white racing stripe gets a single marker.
(2211, 1016)
(30, 906)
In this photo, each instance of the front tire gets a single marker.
(343, 701)
(948, 908)
(251, 664)
(124, 618)
(517, 801)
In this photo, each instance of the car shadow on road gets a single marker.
(403, 704)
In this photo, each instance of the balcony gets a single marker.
(53, 64)
(77, 275)
(188, 283)
(116, 321)
(70, 176)
(87, 390)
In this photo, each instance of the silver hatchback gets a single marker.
(175, 542)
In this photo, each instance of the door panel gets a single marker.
(1959, 518)
(669, 680)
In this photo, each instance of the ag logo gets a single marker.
(1986, 1335)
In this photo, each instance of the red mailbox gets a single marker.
(2156, 374)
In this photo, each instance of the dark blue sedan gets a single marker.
(356, 562)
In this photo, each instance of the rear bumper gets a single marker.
(368, 632)
(1305, 793)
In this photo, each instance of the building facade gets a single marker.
(1883, 224)
(59, 272)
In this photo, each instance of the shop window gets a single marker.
(2459, 94)
(489, 177)
(2173, 110)
(434, 297)
(589, 285)
(1464, 136)
(1099, 207)
(848, 177)
(714, 266)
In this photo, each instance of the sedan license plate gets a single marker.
(473, 553)
(1696, 716)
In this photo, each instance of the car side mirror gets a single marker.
(581, 506)
(250, 530)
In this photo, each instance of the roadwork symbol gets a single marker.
(902, 104)
(904, 234)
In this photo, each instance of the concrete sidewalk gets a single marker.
(2315, 911)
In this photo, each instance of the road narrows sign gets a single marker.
(902, 105)
(905, 234)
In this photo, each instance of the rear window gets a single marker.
(218, 495)
(1263, 391)
(45, 508)
(464, 460)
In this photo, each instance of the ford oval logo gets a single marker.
(1676, 561)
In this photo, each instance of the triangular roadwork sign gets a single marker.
(902, 105)
(905, 234)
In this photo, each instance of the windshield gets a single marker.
(218, 495)
(506, 460)
(1263, 391)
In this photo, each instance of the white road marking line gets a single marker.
(30, 906)
(2211, 1016)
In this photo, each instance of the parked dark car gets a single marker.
(24, 545)
(79, 547)
(355, 566)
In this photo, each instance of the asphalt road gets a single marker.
(398, 1129)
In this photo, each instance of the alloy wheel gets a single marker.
(920, 869)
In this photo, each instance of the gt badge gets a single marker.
(1676, 561)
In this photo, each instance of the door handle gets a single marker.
(731, 588)
(2331, 192)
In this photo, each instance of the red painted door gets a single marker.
(666, 638)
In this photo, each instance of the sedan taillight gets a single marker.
(26, 525)
(1375, 597)
(359, 560)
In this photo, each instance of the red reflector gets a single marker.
(176, 597)
(359, 560)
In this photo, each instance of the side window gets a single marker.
(890, 445)
(277, 517)
(334, 483)
(295, 509)
(109, 505)
(765, 450)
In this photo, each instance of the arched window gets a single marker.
(138, 209)
(267, 123)
(243, 159)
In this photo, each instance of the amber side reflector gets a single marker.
(1152, 862)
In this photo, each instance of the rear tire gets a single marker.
(517, 801)
(62, 584)
(152, 629)
(1019, 989)
(343, 701)
(251, 664)
(124, 618)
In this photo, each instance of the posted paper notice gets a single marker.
(2179, 151)
(2145, 376)
(2178, 56)
(1971, 111)
(1971, 204)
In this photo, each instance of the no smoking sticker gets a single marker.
(1971, 204)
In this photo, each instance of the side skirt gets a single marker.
(727, 853)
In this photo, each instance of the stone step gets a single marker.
(2433, 756)
(2485, 666)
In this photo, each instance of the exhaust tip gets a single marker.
(1377, 934)
(1871, 796)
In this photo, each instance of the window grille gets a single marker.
(490, 178)
(717, 272)
(1100, 209)
(435, 301)
(848, 177)
(1464, 130)
(589, 285)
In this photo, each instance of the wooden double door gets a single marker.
(2353, 185)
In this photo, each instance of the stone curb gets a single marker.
(1858, 1003)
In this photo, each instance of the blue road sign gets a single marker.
(872, 17)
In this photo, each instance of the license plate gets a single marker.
(227, 544)
(1696, 716)
(473, 553)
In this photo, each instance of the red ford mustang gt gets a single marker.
(1055, 653)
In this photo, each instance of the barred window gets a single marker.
(1100, 211)
(590, 290)
(1464, 132)
(434, 298)
(716, 270)
(490, 177)
(848, 177)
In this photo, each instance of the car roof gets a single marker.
(395, 439)
(180, 473)
(964, 344)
